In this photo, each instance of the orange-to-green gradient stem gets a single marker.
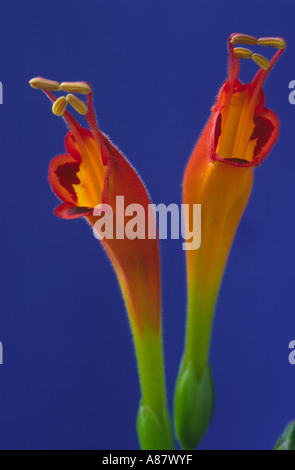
(223, 195)
(137, 266)
(154, 426)
(223, 191)
(153, 422)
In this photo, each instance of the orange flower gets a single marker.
(237, 137)
(93, 172)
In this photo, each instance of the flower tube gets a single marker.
(93, 174)
(237, 137)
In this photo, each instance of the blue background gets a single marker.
(69, 375)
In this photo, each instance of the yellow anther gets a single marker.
(43, 84)
(75, 87)
(273, 42)
(242, 53)
(59, 106)
(243, 39)
(261, 61)
(77, 104)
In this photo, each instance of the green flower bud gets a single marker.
(154, 432)
(193, 406)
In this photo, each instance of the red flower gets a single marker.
(93, 172)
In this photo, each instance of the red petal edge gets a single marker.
(70, 211)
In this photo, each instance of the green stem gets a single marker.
(198, 329)
(151, 369)
(194, 393)
(153, 424)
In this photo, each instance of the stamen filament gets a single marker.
(90, 116)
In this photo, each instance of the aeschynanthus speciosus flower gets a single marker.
(91, 173)
(237, 137)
